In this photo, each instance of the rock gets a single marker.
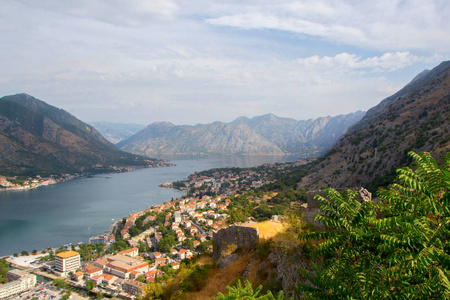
(232, 238)
(225, 261)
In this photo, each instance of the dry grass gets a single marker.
(205, 260)
(221, 278)
(268, 229)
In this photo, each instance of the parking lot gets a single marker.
(46, 291)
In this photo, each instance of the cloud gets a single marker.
(118, 12)
(202, 61)
(382, 25)
(390, 61)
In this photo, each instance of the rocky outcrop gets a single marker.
(233, 238)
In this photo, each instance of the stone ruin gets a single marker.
(234, 237)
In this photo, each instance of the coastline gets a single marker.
(6, 182)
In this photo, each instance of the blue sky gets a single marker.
(198, 61)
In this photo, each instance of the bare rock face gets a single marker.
(416, 118)
(232, 238)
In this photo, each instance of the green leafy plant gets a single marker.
(395, 249)
(239, 292)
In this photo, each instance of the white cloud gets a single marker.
(160, 60)
(390, 61)
(383, 25)
(120, 12)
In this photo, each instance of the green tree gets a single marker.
(90, 285)
(3, 271)
(24, 253)
(60, 283)
(239, 292)
(188, 244)
(141, 278)
(395, 249)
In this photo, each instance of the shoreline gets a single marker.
(36, 183)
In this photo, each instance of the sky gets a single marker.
(200, 61)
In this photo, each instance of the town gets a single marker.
(26, 182)
(150, 245)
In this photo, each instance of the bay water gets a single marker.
(72, 211)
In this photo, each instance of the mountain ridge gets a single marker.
(416, 118)
(37, 138)
(266, 134)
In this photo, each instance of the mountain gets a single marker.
(163, 137)
(309, 136)
(116, 132)
(416, 118)
(37, 138)
(266, 134)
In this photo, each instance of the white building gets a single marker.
(68, 261)
(25, 281)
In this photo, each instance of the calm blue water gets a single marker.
(71, 211)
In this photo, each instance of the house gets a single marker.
(196, 243)
(108, 279)
(100, 263)
(133, 287)
(193, 230)
(175, 265)
(97, 279)
(130, 252)
(112, 238)
(151, 275)
(182, 254)
(160, 261)
(201, 237)
(90, 271)
(77, 276)
(177, 217)
(124, 233)
(134, 274)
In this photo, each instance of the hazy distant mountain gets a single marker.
(116, 132)
(266, 134)
(37, 138)
(415, 118)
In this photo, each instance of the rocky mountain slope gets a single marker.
(416, 118)
(266, 134)
(116, 132)
(37, 138)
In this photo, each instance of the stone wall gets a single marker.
(234, 237)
